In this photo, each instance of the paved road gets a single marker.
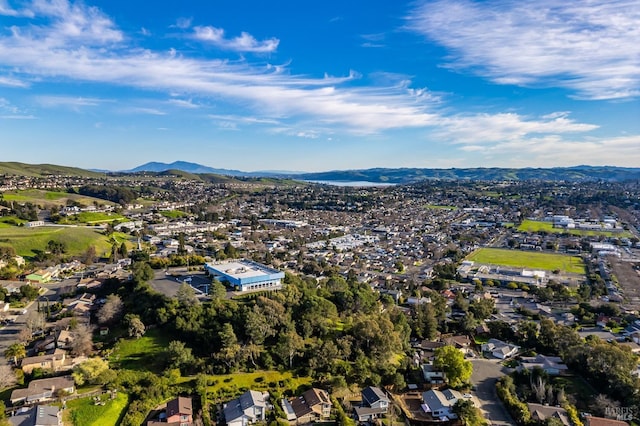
(485, 374)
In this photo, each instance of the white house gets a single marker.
(249, 408)
(500, 349)
(440, 403)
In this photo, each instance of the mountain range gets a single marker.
(375, 175)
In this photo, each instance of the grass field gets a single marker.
(92, 218)
(173, 214)
(83, 412)
(143, 354)
(259, 380)
(76, 240)
(538, 226)
(528, 259)
(50, 198)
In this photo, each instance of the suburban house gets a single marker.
(431, 374)
(500, 349)
(601, 421)
(440, 403)
(312, 406)
(54, 361)
(541, 413)
(374, 404)
(40, 415)
(552, 365)
(461, 342)
(43, 390)
(179, 412)
(249, 408)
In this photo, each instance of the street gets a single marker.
(485, 374)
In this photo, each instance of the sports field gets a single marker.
(539, 225)
(529, 260)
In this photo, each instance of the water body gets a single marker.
(350, 183)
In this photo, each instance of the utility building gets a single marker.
(246, 275)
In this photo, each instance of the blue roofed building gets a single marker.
(245, 275)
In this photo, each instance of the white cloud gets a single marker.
(142, 110)
(12, 82)
(554, 151)
(245, 42)
(183, 23)
(589, 47)
(483, 129)
(69, 101)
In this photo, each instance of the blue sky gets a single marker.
(315, 86)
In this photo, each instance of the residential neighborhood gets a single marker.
(244, 302)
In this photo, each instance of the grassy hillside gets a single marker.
(49, 199)
(36, 170)
(76, 239)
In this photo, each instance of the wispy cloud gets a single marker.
(373, 40)
(589, 47)
(245, 42)
(481, 129)
(69, 101)
(183, 23)
(56, 49)
(12, 82)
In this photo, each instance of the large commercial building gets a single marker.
(245, 275)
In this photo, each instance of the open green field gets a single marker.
(258, 380)
(83, 412)
(143, 354)
(173, 214)
(92, 218)
(76, 239)
(50, 198)
(528, 259)
(538, 226)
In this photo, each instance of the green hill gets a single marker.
(40, 170)
(26, 241)
(46, 198)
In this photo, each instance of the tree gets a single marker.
(289, 345)
(123, 251)
(35, 320)
(451, 361)
(217, 291)
(29, 292)
(7, 376)
(186, 295)
(15, 352)
(178, 355)
(111, 311)
(135, 326)
(82, 342)
(89, 255)
(142, 272)
(94, 371)
(56, 247)
(467, 413)
(230, 348)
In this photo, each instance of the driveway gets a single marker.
(485, 374)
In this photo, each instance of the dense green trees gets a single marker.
(457, 370)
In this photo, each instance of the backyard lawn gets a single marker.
(528, 259)
(84, 412)
(143, 354)
(259, 380)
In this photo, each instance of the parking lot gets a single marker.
(167, 282)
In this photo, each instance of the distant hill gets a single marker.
(185, 167)
(39, 170)
(189, 170)
(404, 176)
